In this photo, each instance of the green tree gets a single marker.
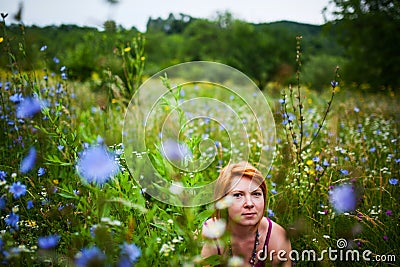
(369, 30)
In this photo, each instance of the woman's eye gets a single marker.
(237, 195)
(257, 194)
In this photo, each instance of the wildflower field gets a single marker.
(68, 196)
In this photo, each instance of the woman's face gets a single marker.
(247, 207)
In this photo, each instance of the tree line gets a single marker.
(363, 45)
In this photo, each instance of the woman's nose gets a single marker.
(248, 203)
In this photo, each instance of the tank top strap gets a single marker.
(268, 233)
(218, 248)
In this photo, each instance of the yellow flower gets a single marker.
(309, 101)
(309, 162)
(1, 39)
(127, 49)
(142, 58)
(30, 223)
(311, 172)
(114, 101)
(55, 181)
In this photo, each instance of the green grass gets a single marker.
(358, 142)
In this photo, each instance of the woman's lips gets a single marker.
(249, 214)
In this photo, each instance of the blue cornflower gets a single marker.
(60, 147)
(270, 213)
(315, 159)
(129, 254)
(16, 98)
(334, 84)
(319, 168)
(343, 198)
(3, 203)
(29, 204)
(93, 230)
(100, 140)
(90, 257)
(281, 101)
(12, 220)
(56, 60)
(356, 109)
(344, 172)
(3, 175)
(393, 181)
(29, 107)
(325, 163)
(64, 76)
(28, 162)
(41, 171)
(397, 160)
(48, 242)
(273, 191)
(17, 189)
(372, 149)
(175, 151)
(97, 165)
(43, 48)
(63, 68)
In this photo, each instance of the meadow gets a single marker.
(69, 196)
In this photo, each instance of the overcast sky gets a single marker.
(135, 13)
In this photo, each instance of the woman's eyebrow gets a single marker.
(255, 190)
(237, 190)
(243, 191)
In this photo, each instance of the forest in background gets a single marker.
(265, 52)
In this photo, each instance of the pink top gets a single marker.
(259, 263)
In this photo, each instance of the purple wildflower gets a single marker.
(90, 257)
(175, 151)
(3, 203)
(270, 213)
(29, 204)
(343, 198)
(12, 220)
(334, 84)
(48, 242)
(16, 98)
(3, 175)
(28, 162)
(17, 189)
(29, 107)
(97, 165)
(129, 254)
(41, 171)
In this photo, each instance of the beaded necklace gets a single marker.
(252, 260)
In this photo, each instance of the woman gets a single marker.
(253, 237)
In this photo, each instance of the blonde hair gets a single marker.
(224, 184)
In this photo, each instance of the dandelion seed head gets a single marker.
(214, 228)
